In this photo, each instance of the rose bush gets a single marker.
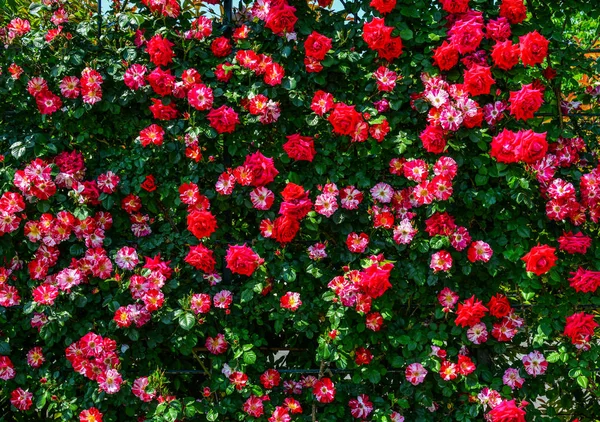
(399, 195)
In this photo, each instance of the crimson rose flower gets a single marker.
(149, 184)
(301, 148)
(376, 280)
(499, 306)
(293, 191)
(162, 111)
(263, 169)
(525, 102)
(392, 49)
(223, 119)
(478, 80)
(580, 327)
(513, 10)
(161, 81)
(540, 259)
(533, 146)
(470, 312)
(534, 48)
(507, 411)
(344, 119)
(505, 55)
(455, 6)
(317, 45)
(242, 260)
(445, 56)
(160, 51)
(574, 243)
(281, 19)
(383, 6)
(285, 229)
(201, 258)
(221, 47)
(201, 223)
(376, 33)
(434, 139)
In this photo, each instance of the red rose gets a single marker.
(507, 411)
(383, 6)
(473, 121)
(201, 223)
(242, 260)
(281, 19)
(445, 56)
(363, 356)
(470, 312)
(434, 139)
(533, 146)
(506, 147)
(540, 259)
(301, 148)
(498, 29)
(161, 81)
(466, 34)
(478, 80)
(513, 10)
(375, 33)
(317, 45)
(455, 6)
(223, 72)
(499, 306)
(574, 243)
(505, 55)
(160, 51)
(91, 193)
(296, 209)
(376, 280)
(549, 73)
(285, 229)
(162, 111)
(293, 191)
(263, 169)
(201, 258)
(221, 47)
(392, 49)
(344, 119)
(534, 48)
(148, 184)
(223, 119)
(525, 102)
(580, 327)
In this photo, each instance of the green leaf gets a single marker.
(582, 380)
(249, 357)
(187, 321)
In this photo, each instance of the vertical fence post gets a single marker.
(99, 20)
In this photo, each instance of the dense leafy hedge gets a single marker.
(391, 193)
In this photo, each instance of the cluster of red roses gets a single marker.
(379, 37)
(562, 195)
(9, 295)
(316, 47)
(357, 289)
(89, 86)
(96, 358)
(471, 311)
(144, 287)
(323, 389)
(140, 223)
